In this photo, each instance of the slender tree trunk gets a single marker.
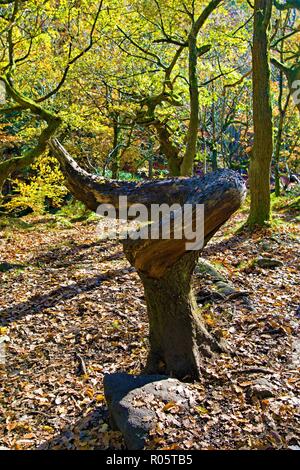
(214, 156)
(187, 165)
(150, 167)
(223, 128)
(115, 164)
(260, 163)
(190, 153)
(214, 159)
(279, 136)
(276, 168)
(205, 162)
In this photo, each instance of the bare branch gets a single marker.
(283, 38)
(142, 49)
(75, 58)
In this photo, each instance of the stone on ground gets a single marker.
(132, 402)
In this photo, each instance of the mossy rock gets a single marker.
(5, 267)
(269, 263)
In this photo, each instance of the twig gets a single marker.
(81, 367)
(254, 370)
(42, 413)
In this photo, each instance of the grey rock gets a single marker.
(261, 389)
(208, 271)
(225, 289)
(128, 396)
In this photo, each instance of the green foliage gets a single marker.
(289, 202)
(44, 189)
(110, 85)
(74, 211)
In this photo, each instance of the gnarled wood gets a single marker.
(179, 340)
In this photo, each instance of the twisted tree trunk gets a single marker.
(168, 148)
(53, 122)
(178, 337)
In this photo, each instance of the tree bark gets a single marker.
(191, 148)
(115, 154)
(282, 113)
(168, 148)
(260, 164)
(187, 165)
(53, 123)
(179, 340)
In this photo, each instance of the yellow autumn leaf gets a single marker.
(169, 406)
(89, 392)
(209, 320)
(201, 410)
(100, 398)
(48, 429)
(171, 447)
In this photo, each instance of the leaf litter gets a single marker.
(73, 310)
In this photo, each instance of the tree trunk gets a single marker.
(19, 163)
(214, 155)
(150, 167)
(178, 337)
(214, 159)
(190, 153)
(168, 148)
(187, 165)
(279, 136)
(115, 163)
(260, 164)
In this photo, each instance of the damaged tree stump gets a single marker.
(179, 340)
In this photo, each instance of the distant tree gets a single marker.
(20, 41)
(260, 164)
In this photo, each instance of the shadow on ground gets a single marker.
(91, 432)
(38, 303)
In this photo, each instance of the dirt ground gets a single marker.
(72, 309)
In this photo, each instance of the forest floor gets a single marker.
(69, 302)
